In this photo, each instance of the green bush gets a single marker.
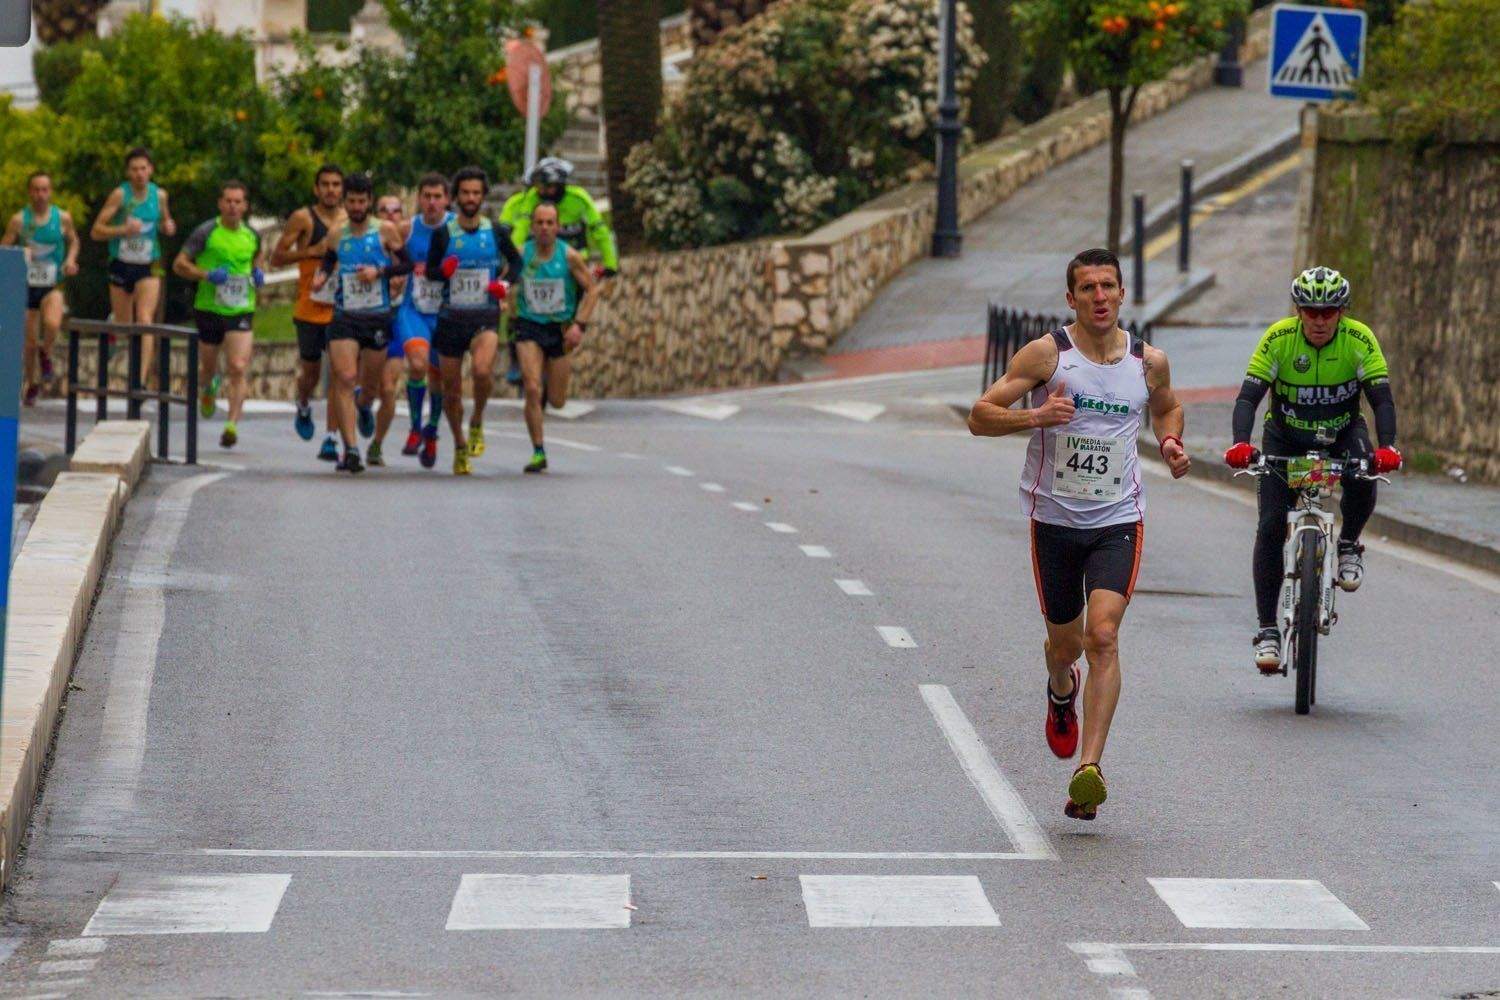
(55, 67)
(1437, 63)
(796, 117)
(31, 141)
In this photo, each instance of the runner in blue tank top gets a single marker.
(550, 318)
(367, 254)
(133, 220)
(416, 319)
(51, 244)
(468, 256)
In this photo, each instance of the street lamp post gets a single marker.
(946, 239)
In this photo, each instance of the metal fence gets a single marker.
(1008, 330)
(135, 393)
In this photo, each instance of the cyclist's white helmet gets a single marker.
(1320, 286)
(550, 170)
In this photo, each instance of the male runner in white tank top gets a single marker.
(1088, 385)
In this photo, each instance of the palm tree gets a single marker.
(66, 20)
(630, 63)
(709, 19)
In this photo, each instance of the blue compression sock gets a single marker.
(416, 393)
(436, 401)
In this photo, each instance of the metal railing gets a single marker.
(135, 392)
(1008, 330)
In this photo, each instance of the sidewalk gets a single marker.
(1016, 254)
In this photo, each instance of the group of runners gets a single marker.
(1086, 387)
(381, 295)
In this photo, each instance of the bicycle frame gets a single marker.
(1310, 520)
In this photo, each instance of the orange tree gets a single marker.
(1121, 45)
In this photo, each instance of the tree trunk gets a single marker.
(995, 85)
(630, 58)
(708, 19)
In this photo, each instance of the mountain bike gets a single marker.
(1306, 609)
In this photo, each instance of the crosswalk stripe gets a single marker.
(1262, 903)
(855, 588)
(700, 408)
(896, 901)
(540, 902)
(849, 409)
(188, 904)
(815, 552)
(896, 636)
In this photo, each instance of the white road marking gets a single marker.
(361, 994)
(896, 637)
(896, 901)
(850, 410)
(65, 967)
(1273, 946)
(571, 410)
(254, 406)
(854, 588)
(701, 408)
(472, 855)
(8, 947)
(565, 442)
(122, 742)
(927, 374)
(711, 487)
(678, 470)
(189, 904)
(631, 455)
(1266, 903)
(781, 528)
(70, 947)
(746, 506)
(1103, 959)
(815, 552)
(1004, 802)
(1129, 993)
(42, 996)
(540, 902)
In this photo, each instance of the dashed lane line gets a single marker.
(605, 855)
(747, 507)
(855, 588)
(711, 487)
(678, 470)
(896, 637)
(815, 552)
(781, 527)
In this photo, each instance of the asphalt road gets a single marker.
(330, 734)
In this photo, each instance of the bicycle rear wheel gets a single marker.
(1305, 621)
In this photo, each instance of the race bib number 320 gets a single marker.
(1089, 468)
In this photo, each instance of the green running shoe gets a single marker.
(1086, 792)
(209, 398)
(538, 462)
(374, 457)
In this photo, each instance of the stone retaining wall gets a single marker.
(1418, 236)
(825, 280)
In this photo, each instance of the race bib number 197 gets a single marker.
(1089, 468)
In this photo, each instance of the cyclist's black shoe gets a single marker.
(1351, 565)
(1268, 650)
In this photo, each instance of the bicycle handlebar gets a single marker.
(1359, 468)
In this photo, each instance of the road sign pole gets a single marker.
(533, 115)
(12, 334)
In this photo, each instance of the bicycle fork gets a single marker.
(1317, 525)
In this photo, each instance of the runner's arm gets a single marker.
(505, 242)
(584, 275)
(1167, 417)
(184, 265)
(401, 263)
(102, 230)
(288, 249)
(168, 224)
(1031, 366)
(12, 231)
(70, 240)
(436, 251)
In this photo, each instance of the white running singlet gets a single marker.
(1085, 473)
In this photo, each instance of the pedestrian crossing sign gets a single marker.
(1316, 52)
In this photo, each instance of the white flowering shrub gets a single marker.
(796, 117)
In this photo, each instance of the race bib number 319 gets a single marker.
(1089, 468)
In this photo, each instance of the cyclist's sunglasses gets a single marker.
(1320, 312)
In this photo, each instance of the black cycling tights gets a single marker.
(1275, 500)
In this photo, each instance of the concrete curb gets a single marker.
(117, 448)
(52, 589)
(1442, 543)
(1221, 179)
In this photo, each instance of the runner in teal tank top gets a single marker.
(550, 319)
(225, 257)
(46, 233)
(134, 218)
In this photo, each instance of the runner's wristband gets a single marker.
(580, 324)
(1162, 448)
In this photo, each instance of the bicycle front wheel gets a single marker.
(1305, 622)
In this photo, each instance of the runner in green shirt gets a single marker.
(46, 233)
(224, 256)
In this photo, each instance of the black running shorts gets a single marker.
(1071, 563)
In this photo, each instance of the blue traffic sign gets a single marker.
(1317, 53)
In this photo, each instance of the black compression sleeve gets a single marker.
(1252, 391)
(1384, 405)
(436, 251)
(508, 251)
(401, 263)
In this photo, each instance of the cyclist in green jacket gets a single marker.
(580, 225)
(1315, 365)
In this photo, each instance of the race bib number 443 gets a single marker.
(1089, 468)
